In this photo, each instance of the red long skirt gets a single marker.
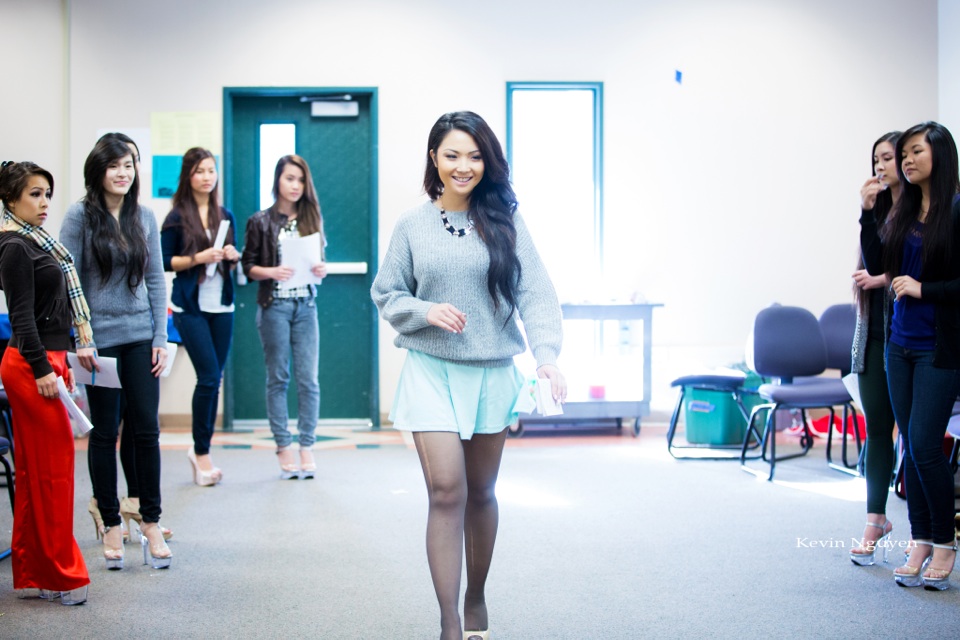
(45, 553)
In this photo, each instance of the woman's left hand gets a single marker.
(319, 270)
(159, 361)
(47, 386)
(905, 286)
(70, 381)
(558, 384)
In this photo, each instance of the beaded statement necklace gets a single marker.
(456, 233)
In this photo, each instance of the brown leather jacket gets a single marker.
(260, 248)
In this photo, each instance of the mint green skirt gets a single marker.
(436, 395)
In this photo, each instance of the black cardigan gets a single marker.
(942, 289)
(37, 302)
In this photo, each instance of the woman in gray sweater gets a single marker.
(459, 270)
(116, 245)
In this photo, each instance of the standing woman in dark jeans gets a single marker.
(878, 195)
(920, 251)
(44, 298)
(203, 301)
(116, 244)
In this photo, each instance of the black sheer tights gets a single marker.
(461, 477)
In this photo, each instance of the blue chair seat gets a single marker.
(811, 395)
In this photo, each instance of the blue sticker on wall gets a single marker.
(678, 76)
(166, 173)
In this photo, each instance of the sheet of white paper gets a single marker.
(526, 403)
(82, 423)
(171, 356)
(300, 254)
(218, 244)
(106, 377)
(852, 382)
(546, 405)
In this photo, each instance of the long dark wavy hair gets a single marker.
(881, 211)
(108, 237)
(938, 227)
(309, 219)
(194, 235)
(492, 201)
(14, 177)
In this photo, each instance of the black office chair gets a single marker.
(787, 343)
(838, 323)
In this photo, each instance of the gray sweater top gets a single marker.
(425, 265)
(119, 316)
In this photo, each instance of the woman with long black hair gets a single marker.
(116, 244)
(920, 251)
(459, 270)
(202, 294)
(877, 195)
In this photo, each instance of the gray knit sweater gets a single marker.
(425, 265)
(117, 315)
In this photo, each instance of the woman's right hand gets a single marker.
(47, 386)
(281, 273)
(88, 358)
(866, 281)
(869, 191)
(447, 317)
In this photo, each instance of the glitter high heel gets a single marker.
(864, 554)
(130, 510)
(939, 579)
(909, 576)
(113, 548)
(157, 551)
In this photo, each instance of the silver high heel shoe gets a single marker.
(863, 555)
(68, 598)
(159, 554)
(907, 576)
(939, 580)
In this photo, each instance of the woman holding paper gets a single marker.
(287, 315)
(44, 298)
(454, 297)
(197, 241)
(116, 244)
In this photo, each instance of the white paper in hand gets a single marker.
(546, 405)
(80, 420)
(300, 254)
(171, 356)
(218, 244)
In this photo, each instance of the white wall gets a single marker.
(739, 186)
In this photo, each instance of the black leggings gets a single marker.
(878, 413)
(141, 390)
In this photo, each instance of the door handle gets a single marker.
(346, 268)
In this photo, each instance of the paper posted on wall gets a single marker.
(82, 424)
(536, 395)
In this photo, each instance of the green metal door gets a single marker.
(341, 152)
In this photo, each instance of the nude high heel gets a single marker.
(308, 467)
(476, 635)
(155, 550)
(288, 468)
(95, 514)
(202, 478)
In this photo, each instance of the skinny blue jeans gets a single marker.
(290, 326)
(923, 397)
(206, 337)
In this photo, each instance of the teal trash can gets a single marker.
(712, 417)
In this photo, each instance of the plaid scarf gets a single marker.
(78, 304)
